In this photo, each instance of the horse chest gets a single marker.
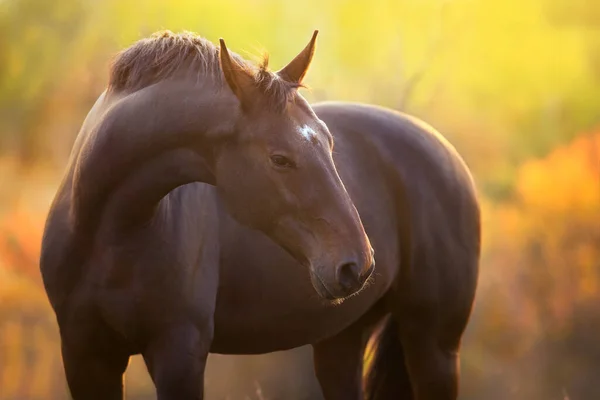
(266, 302)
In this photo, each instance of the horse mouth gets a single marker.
(322, 289)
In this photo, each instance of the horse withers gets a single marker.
(207, 207)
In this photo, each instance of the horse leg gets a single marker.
(94, 362)
(339, 359)
(412, 363)
(431, 334)
(176, 359)
(338, 362)
(433, 368)
(387, 376)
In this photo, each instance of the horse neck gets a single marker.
(146, 144)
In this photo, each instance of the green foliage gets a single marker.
(504, 80)
(36, 39)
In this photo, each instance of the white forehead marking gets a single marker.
(307, 132)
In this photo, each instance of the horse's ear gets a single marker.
(239, 78)
(294, 72)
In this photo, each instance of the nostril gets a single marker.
(349, 275)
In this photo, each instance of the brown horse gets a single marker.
(205, 209)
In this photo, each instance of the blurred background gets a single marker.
(513, 84)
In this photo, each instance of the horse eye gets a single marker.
(282, 161)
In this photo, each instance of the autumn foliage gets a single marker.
(539, 298)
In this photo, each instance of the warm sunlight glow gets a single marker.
(514, 85)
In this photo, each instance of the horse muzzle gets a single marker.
(346, 279)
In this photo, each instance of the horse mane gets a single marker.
(165, 54)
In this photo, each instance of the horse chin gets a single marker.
(338, 301)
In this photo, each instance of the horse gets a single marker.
(207, 207)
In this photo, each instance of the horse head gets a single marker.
(276, 173)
